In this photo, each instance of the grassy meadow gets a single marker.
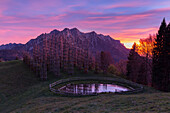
(21, 91)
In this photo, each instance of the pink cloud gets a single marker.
(116, 19)
(39, 17)
(126, 4)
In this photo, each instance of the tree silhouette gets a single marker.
(161, 59)
(131, 73)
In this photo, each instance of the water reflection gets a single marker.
(91, 88)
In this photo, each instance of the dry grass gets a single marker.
(27, 94)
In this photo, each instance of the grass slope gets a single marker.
(21, 91)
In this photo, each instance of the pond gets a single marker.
(92, 88)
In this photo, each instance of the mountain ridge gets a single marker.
(95, 42)
(9, 46)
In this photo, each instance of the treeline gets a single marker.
(7, 55)
(56, 54)
(149, 61)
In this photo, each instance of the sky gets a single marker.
(124, 20)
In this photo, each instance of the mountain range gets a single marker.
(95, 43)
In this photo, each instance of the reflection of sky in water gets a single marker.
(92, 88)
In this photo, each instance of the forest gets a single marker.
(148, 62)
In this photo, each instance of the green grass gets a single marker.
(21, 91)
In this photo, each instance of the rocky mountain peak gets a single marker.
(55, 31)
(96, 42)
(66, 29)
(74, 29)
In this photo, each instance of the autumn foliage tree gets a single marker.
(121, 67)
(144, 49)
(97, 62)
(145, 46)
(56, 53)
(152, 67)
(113, 69)
(106, 60)
(138, 69)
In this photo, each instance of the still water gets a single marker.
(92, 88)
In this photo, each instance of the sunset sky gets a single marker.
(125, 20)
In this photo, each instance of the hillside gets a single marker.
(93, 41)
(21, 91)
(11, 51)
(10, 46)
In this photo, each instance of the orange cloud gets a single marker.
(128, 37)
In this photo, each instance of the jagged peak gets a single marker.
(55, 31)
(11, 44)
(93, 32)
(66, 29)
(74, 30)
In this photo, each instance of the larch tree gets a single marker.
(145, 48)
(97, 62)
(106, 60)
(54, 52)
(121, 66)
(65, 55)
(56, 60)
(43, 71)
(70, 60)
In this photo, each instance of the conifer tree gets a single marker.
(142, 74)
(160, 75)
(130, 64)
(166, 60)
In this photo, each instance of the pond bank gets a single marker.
(122, 82)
